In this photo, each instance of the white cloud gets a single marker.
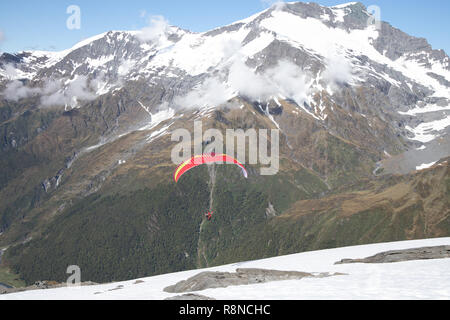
(228, 47)
(99, 84)
(289, 81)
(77, 90)
(53, 92)
(125, 67)
(212, 92)
(143, 13)
(276, 4)
(10, 71)
(285, 79)
(339, 69)
(16, 90)
(245, 81)
(156, 31)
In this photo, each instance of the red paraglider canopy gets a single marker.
(205, 159)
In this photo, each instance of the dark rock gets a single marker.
(42, 285)
(208, 280)
(190, 296)
(426, 253)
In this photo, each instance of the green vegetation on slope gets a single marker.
(119, 237)
(283, 236)
(9, 278)
(242, 205)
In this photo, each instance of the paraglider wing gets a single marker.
(205, 159)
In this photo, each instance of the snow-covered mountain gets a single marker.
(417, 279)
(294, 51)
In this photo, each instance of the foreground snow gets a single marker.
(426, 279)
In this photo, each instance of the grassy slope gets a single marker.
(9, 278)
(354, 218)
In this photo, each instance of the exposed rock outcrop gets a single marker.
(425, 253)
(209, 280)
(190, 296)
(41, 285)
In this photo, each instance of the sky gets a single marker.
(41, 24)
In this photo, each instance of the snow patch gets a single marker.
(95, 63)
(425, 166)
(157, 118)
(424, 131)
(425, 109)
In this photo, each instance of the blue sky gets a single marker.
(41, 24)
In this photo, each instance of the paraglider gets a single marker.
(205, 159)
